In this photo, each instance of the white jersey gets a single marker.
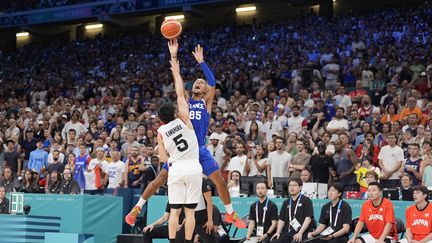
(180, 141)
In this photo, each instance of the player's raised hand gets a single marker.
(175, 66)
(173, 47)
(199, 54)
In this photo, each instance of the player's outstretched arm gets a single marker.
(211, 81)
(183, 108)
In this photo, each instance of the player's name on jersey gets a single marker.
(173, 130)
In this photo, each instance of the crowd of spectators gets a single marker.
(9, 6)
(317, 99)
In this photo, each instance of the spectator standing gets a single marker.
(338, 125)
(116, 171)
(390, 160)
(134, 174)
(414, 166)
(345, 161)
(296, 123)
(271, 126)
(299, 161)
(28, 145)
(81, 163)
(38, 160)
(95, 173)
(12, 157)
(216, 148)
(278, 161)
(238, 162)
(256, 165)
(322, 165)
(74, 124)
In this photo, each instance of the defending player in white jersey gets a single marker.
(178, 146)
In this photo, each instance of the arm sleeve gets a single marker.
(408, 218)
(252, 215)
(390, 218)
(282, 214)
(363, 212)
(323, 217)
(347, 214)
(30, 164)
(273, 212)
(208, 74)
(308, 208)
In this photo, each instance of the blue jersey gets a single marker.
(200, 119)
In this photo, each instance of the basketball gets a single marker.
(171, 29)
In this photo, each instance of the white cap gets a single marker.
(214, 136)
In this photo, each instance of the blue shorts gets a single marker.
(208, 163)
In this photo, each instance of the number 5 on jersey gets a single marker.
(195, 115)
(181, 143)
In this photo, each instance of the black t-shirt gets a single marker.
(70, 187)
(344, 216)
(55, 167)
(320, 168)
(11, 159)
(271, 214)
(4, 206)
(304, 209)
(28, 147)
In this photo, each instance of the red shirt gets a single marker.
(419, 222)
(376, 218)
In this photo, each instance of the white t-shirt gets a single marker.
(237, 163)
(78, 127)
(343, 101)
(331, 71)
(221, 136)
(254, 170)
(335, 123)
(295, 124)
(270, 128)
(282, 120)
(115, 173)
(389, 157)
(279, 163)
(217, 153)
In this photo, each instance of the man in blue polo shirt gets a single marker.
(38, 159)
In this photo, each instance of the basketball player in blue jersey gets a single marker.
(200, 105)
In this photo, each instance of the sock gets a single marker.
(188, 241)
(172, 240)
(141, 202)
(229, 208)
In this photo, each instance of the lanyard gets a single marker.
(337, 213)
(264, 211)
(151, 166)
(295, 210)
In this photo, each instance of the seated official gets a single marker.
(419, 218)
(295, 216)
(263, 217)
(335, 218)
(378, 215)
(4, 202)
